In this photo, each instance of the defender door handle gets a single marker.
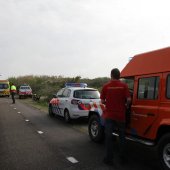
(150, 114)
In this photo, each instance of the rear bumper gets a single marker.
(75, 114)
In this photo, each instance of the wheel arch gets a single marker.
(163, 129)
(91, 113)
(66, 109)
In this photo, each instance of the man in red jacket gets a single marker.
(116, 97)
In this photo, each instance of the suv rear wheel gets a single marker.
(96, 130)
(164, 151)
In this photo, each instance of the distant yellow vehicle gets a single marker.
(4, 88)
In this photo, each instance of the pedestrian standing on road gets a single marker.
(13, 92)
(116, 97)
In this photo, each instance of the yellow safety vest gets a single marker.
(13, 89)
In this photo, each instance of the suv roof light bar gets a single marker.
(76, 85)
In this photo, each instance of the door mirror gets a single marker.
(54, 96)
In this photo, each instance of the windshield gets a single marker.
(87, 94)
(129, 81)
(4, 86)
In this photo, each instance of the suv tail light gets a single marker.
(75, 102)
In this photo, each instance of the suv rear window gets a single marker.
(4, 86)
(25, 87)
(86, 94)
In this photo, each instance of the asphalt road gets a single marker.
(30, 139)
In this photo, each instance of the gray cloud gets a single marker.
(78, 37)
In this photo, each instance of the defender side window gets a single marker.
(168, 87)
(148, 88)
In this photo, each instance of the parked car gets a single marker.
(148, 78)
(73, 101)
(25, 91)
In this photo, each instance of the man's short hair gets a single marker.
(115, 73)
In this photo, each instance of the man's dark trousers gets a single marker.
(13, 97)
(110, 127)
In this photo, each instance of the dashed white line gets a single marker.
(15, 108)
(72, 160)
(40, 132)
(19, 112)
(26, 120)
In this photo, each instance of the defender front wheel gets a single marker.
(164, 151)
(95, 129)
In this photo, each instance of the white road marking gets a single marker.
(72, 160)
(40, 132)
(15, 108)
(26, 120)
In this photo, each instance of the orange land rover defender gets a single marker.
(148, 78)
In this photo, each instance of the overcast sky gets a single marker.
(84, 38)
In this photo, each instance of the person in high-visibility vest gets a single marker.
(13, 91)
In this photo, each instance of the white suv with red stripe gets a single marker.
(25, 91)
(74, 101)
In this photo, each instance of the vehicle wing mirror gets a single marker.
(54, 96)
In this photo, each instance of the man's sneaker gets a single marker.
(108, 162)
(123, 160)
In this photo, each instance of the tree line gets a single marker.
(46, 86)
